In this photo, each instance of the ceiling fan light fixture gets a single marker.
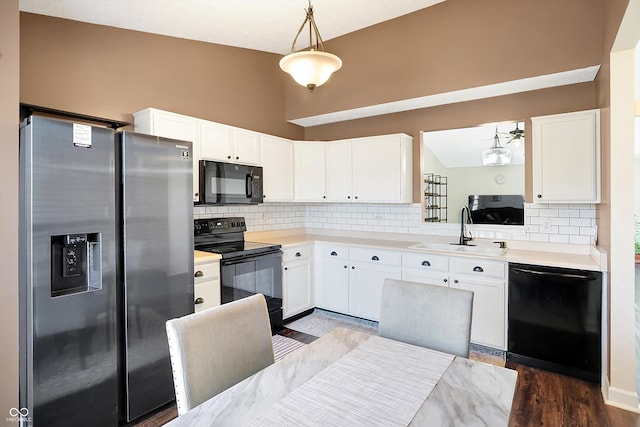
(313, 67)
(497, 155)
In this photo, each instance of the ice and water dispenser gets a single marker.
(75, 263)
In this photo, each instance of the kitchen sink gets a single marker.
(454, 247)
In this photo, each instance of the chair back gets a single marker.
(216, 348)
(431, 316)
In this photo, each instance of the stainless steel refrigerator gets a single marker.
(106, 253)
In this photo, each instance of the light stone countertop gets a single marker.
(468, 393)
(583, 257)
(200, 257)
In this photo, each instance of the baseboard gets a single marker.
(619, 398)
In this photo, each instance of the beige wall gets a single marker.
(109, 72)
(455, 45)
(9, 83)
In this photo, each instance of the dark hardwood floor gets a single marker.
(545, 398)
(542, 398)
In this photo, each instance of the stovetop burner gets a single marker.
(225, 236)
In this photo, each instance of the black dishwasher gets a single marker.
(555, 318)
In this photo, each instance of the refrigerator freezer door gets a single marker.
(157, 209)
(68, 348)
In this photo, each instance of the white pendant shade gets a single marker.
(496, 156)
(310, 68)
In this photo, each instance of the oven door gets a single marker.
(257, 274)
(230, 184)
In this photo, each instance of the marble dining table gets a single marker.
(349, 378)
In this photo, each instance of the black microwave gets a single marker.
(229, 183)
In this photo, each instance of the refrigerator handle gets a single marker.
(248, 186)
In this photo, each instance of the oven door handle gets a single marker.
(248, 181)
(252, 257)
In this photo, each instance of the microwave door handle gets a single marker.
(249, 186)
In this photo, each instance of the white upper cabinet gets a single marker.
(566, 157)
(309, 171)
(217, 142)
(277, 169)
(370, 169)
(382, 169)
(228, 144)
(174, 126)
(246, 147)
(339, 171)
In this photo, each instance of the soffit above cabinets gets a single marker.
(266, 25)
(580, 75)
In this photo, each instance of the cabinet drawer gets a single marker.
(206, 295)
(376, 256)
(206, 272)
(333, 252)
(426, 262)
(478, 268)
(297, 253)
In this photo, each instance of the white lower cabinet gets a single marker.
(332, 278)
(206, 289)
(297, 280)
(425, 268)
(487, 280)
(369, 268)
(350, 279)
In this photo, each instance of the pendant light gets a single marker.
(310, 68)
(497, 155)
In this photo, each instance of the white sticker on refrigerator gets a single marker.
(81, 135)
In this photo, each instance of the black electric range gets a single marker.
(246, 268)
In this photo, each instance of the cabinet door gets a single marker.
(309, 171)
(277, 168)
(206, 295)
(216, 142)
(488, 319)
(246, 147)
(297, 288)
(365, 288)
(431, 278)
(377, 169)
(566, 157)
(332, 286)
(339, 171)
(175, 126)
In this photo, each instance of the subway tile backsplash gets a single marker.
(555, 223)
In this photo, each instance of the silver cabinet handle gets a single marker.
(199, 274)
(199, 301)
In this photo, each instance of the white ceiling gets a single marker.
(266, 25)
(456, 148)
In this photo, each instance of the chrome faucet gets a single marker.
(463, 227)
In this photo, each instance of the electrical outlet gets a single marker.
(545, 227)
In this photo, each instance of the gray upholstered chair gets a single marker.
(431, 316)
(216, 348)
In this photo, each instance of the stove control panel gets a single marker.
(218, 225)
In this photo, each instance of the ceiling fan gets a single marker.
(516, 135)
